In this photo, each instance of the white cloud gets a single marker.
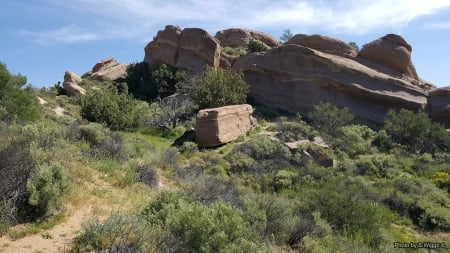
(66, 34)
(444, 25)
(142, 18)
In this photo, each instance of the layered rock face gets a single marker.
(70, 84)
(107, 70)
(295, 78)
(391, 51)
(189, 49)
(217, 126)
(241, 37)
(324, 44)
(439, 105)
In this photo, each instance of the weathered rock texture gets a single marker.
(189, 49)
(241, 37)
(295, 78)
(439, 105)
(107, 70)
(217, 126)
(324, 44)
(391, 51)
(70, 84)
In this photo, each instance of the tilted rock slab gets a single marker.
(296, 78)
(70, 84)
(237, 37)
(107, 70)
(217, 126)
(324, 44)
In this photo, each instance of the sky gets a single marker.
(41, 39)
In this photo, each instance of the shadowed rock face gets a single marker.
(295, 78)
(217, 126)
(439, 105)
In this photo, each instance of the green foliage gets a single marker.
(256, 46)
(381, 165)
(103, 144)
(234, 51)
(118, 233)
(16, 101)
(416, 131)
(239, 162)
(117, 110)
(354, 45)
(217, 87)
(286, 35)
(46, 187)
(189, 149)
(355, 140)
(168, 112)
(294, 131)
(329, 118)
(147, 84)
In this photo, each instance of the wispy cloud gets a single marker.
(66, 34)
(443, 25)
(140, 19)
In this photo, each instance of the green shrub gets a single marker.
(169, 158)
(284, 179)
(168, 112)
(234, 51)
(239, 162)
(210, 162)
(16, 101)
(383, 166)
(189, 149)
(416, 131)
(256, 46)
(207, 189)
(118, 233)
(355, 140)
(116, 110)
(294, 131)
(147, 175)
(217, 87)
(329, 119)
(103, 143)
(147, 84)
(46, 187)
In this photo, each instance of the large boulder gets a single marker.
(439, 105)
(190, 49)
(296, 78)
(70, 84)
(391, 51)
(236, 37)
(217, 126)
(324, 44)
(107, 70)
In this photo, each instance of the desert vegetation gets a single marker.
(112, 152)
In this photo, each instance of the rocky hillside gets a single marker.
(309, 69)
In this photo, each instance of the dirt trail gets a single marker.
(56, 239)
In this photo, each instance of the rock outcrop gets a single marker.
(107, 70)
(217, 126)
(295, 78)
(391, 51)
(70, 84)
(439, 105)
(324, 44)
(189, 49)
(241, 37)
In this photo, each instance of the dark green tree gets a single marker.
(17, 100)
(286, 35)
(329, 118)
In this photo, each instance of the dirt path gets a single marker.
(59, 111)
(56, 239)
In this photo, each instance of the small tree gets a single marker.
(256, 46)
(286, 35)
(354, 45)
(217, 87)
(329, 118)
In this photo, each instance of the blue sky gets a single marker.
(41, 39)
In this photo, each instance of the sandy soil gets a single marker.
(59, 239)
(59, 111)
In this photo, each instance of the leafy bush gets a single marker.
(189, 149)
(217, 87)
(169, 158)
(16, 101)
(207, 189)
(118, 233)
(294, 131)
(239, 162)
(383, 166)
(147, 84)
(146, 175)
(329, 118)
(118, 111)
(416, 131)
(103, 143)
(234, 51)
(355, 140)
(256, 46)
(46, 187)
(168, 112)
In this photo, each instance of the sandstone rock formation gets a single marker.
(189, 49)
(107, 70)
(217, 126)
(324, 44)
(391, 51)
(295, 78)
(241, 37)
(70, 84)
(439, 105)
